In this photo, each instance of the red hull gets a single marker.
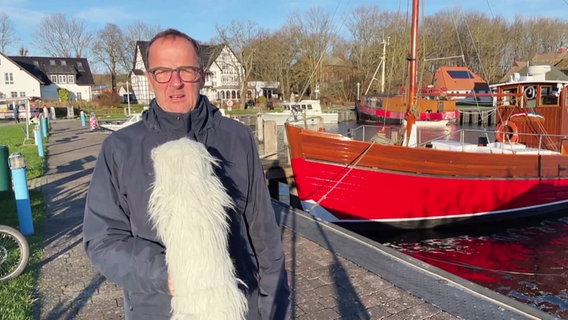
(370, 195)
(394, 116)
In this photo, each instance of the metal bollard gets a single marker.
(39, 141)
(83, 121)
(43, 121)
(18, 166)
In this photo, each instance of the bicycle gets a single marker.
(14, 253)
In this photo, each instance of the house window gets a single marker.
(51, 62)
(53, 78)
(13, 94)
(62, 78)
(63, 62)
(79, 97)
(8, 78)
(70, 79)
(80, 66)
(22, 94)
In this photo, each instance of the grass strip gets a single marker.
(17, 296)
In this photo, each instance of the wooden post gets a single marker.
(270, 140)
(260, 129)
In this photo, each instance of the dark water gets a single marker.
(526, 261)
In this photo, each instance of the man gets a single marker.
(17, 114)
(118, 236)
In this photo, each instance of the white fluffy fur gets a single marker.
(187, 207)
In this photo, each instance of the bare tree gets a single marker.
(109, 50)
(369, 34)
(58, 36)
(274, 60)
(239, 36)
(312, 37)
(138, 31)
(7, 32)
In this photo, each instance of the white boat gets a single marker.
(297, 112)
(113, 126)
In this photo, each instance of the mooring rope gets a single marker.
(350, 167)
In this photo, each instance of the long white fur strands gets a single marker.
(187, 207)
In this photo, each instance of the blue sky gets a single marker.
(198, 18)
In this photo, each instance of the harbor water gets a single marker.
(524, 260)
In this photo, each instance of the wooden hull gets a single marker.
(356, 181)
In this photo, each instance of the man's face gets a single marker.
(175, 95)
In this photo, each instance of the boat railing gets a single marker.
(540, 142)
(464, 138)
(363, 132)
(308, 122)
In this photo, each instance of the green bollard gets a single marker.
(5, 175)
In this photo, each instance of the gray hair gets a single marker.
(173, 33)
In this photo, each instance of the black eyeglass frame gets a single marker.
(198, 71)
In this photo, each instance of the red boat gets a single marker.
(392, 109)
(406, 184)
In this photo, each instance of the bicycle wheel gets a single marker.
(14, 253)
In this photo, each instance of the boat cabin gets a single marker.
(533, 106)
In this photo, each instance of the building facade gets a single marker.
(43, 77)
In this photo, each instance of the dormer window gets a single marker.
(63, 62)
(52, 62)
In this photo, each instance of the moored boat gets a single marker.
(519, 170)
(299, 112)
(117, 125)
(392, 109)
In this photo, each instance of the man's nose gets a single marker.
(176, 79)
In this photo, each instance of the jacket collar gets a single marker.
(193, 124)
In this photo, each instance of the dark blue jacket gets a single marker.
(117, 233)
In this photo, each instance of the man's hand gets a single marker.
(171, 286)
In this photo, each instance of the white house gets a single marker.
(42, 77)
(221, 74)
(17, 82)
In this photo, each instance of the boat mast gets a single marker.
(380, 66)
(410, 116)
(413, 55)
(383, 58)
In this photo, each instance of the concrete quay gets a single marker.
(333, 273)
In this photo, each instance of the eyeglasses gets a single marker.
(185, 73)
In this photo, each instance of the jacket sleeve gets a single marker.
(265, 235)
(133, 263)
